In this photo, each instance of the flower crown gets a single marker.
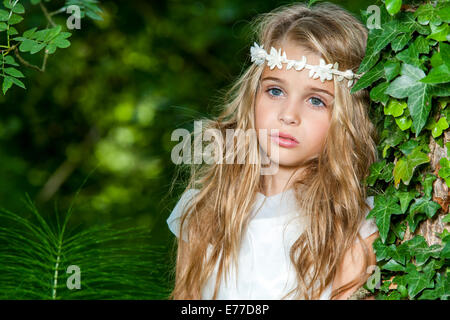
(322, 71)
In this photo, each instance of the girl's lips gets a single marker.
(284, 142)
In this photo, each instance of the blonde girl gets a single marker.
(299, 232)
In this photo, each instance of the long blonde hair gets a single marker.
(332, 194)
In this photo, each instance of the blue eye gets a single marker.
(317, 102)
(275, 92)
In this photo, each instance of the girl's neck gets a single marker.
(281, 181)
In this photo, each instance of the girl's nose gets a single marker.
(290, 115)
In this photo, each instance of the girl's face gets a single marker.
(296, 105)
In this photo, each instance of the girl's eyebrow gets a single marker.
(308, 87)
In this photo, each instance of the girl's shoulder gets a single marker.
(368, 226)
(174, 218)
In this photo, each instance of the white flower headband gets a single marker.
(322, 71)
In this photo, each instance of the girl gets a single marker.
(300, 231)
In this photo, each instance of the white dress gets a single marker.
(265, 270)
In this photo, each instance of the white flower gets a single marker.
(275, 59)
(258, 54)
(297, 64)
(348, 74)
(322, 71)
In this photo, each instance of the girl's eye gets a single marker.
(316, 102)
(274, 92)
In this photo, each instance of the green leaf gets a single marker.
(405, 199)
(428, 184)
(393, 265)
(408, 146)
(384, 207)
(439, 33)
(377, 93)
(395, 108)
(27, 45)
(29, 33)
(440, 74)
(4, 15)
(3, 26)
(15, 19)
(369, 77)
(400, 41)
(444, 172)
(439, 127)
(418, 93)
(17, 82)
(426, 14)
(12, 31)
(10, 60)
(393, 6)
(391, 69)
(440, 291)
(418, 281)
(404, 123)
(37, 47)
(422, 205)
(405, 166)
(410, 56)
(61, 43)
(51, 48)
(7, 83)
(14, 72)
(446, 219)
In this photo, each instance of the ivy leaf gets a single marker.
(418, 281)
(369, 77)
(428, 184)
(423, 205)
(426, 14)
(405, 199)
(391, 69)
(418, 93)
(441, 289)
(408, 146)
(400, 41)
(404, 123)
(381, 250)
(444, 172)
(440, 73)
(393, 6)
(405, 166)
(445, 253)
(418, 248)
(395, 108)
(446, 219)
(439, 33)
(377, 93)
(385, 206)
(393, 265)
(399, 230)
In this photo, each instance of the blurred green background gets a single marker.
(111, 100)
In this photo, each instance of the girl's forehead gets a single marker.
(293, 79)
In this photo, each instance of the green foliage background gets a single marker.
(106, 105)
(407, 70)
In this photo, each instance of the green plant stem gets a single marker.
(29, 65)
(46, 14)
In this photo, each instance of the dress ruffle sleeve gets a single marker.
(174, 219)
(368, 226)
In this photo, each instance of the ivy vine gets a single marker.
(406, 68)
